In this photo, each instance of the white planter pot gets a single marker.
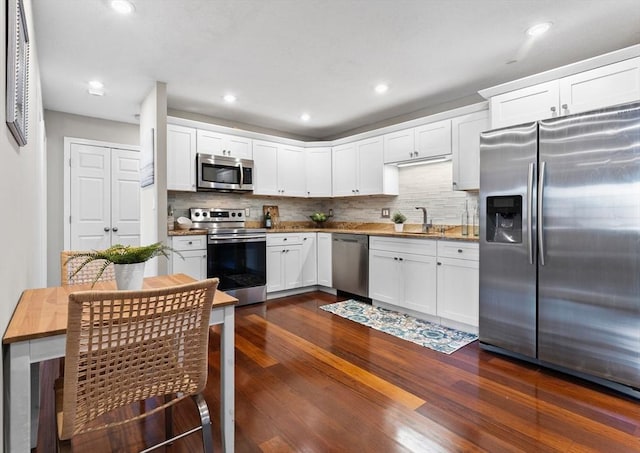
(129, 276)
(399, 227)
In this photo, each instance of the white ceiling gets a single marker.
(285, 57)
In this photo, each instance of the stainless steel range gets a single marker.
(235, 254)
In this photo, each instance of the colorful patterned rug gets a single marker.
(425, 333)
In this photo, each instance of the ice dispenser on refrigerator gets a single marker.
(504, 219)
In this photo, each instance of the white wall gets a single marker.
(22, 193)
(153, 198)
(60, 125)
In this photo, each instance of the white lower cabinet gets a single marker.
(458, 281)
(402, 272)
(284, 261)
(194, 256)
(324, 259)
(309, 260)
(437, 278)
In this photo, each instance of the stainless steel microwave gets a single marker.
(227, 174)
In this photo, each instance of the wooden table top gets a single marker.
(42, 312)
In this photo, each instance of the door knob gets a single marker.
(115, 229)
(107, 229)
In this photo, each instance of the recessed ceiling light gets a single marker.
(305, 117)
(538, 29)
(122, 6)
(381, 88)
(96, 88)
(229, 98)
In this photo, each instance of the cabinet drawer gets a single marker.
(284, 239)
(403, 245)
(457, 249)
(198, 242)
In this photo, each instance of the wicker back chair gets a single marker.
(124, 347)
(69, 263)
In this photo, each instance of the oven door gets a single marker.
(224, 173)
(238, 262)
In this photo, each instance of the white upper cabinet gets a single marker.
(465, 131)
(609, 85)
(278, 169)
(181, 158)
(422, 142)
(219, 144)
(318, 171)
(358, 169)
(600, 87)
(528, 104)
(433, 139)
(399, 146)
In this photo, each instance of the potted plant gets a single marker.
(398, 218)
(128, 262)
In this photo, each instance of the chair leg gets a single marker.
(205, 419)
(168, 419)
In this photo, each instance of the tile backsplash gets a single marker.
(421, 185)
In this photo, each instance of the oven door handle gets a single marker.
(238, 239)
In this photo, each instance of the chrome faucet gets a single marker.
(425, 225)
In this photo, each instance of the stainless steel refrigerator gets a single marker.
(560, 244)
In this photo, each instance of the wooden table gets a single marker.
(37, 332)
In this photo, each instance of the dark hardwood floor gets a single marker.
(310, 381)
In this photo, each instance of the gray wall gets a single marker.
(60, 125)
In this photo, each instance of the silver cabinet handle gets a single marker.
(416, 153)
(553, 110)
(530, 211)
(190, 242)
(459, 250)
(115, 229)
(395, 258)
(565, 107)
(107, 229)
(540, 209)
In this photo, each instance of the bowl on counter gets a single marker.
(184, 223)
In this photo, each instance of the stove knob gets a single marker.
(233, 214)
(239, 214)
(204, 214)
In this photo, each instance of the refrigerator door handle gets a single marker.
(540, 208)
(530, 210)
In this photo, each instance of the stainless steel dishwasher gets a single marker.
(350, 263)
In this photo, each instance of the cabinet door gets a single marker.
(465, 132)
(292, 267)
(239, 147)
(275, 269)
(211, 143)
(318, 172)
(370, 166)
(458, 285)
(194, 264)
(418, 276)
(601, 87)
(399, 146)
(324, 259)
(309, 260)
(265, 165)
(383, 276)
(528, 104)
(344, 164)
(125, 197)
(433, 139)
(181, 158)
(290, 171)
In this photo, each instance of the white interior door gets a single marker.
(125, 197)
(104, 197)
(90, 196)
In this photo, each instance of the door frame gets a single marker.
(68, 141)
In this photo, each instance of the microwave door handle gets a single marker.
(241, 175)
